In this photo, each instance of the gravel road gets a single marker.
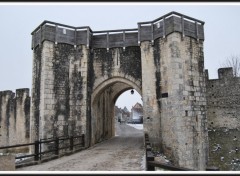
(124, 152)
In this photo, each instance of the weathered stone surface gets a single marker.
(223, 100)
(224, 149)
(75, 87)
(183, 117)
(15, 118)
(7, 163)
(114, 72)
(223, 112)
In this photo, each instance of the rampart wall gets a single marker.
(14, 117)
(223, 112)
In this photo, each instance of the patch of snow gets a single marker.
(21, 159)
(232, 151)
(137, 126)
(167, 161)
(226, 130)
(143, 162)
(218, 147)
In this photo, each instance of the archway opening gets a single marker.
(104, 98)
(128, 110)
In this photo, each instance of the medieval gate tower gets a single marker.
(78, 74)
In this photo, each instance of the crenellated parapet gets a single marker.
(223, 73)
(146, 31)
(223, 99)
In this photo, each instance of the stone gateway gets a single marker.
(78, 74)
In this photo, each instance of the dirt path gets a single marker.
(124, 152)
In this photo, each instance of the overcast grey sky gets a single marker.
(222, 30)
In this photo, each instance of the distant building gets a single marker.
(137, 113)
(122, 115)
(135, 116)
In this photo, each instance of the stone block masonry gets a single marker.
(117, 66)
(78, 74)
(15, 118)
(173, 82)
(60, 103)
(223, 112)
(183, 114)
(7, 163)
(223, 100)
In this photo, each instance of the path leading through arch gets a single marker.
(124, 152)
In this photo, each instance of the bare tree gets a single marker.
(234, 62)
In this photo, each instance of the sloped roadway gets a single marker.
(124, 152)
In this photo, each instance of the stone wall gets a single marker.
(102, 117)
(116, 62)
(59, 90)
(14, 117)
(174, 96)
(223, 112)
(113, 72)
(223, 100)
(151, 92)
(75, 87)
(79, 74)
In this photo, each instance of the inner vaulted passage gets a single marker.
(79, 73)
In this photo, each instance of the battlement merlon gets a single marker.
(7, 93)
(225, 72)
(146, 31)
(19, 92)
(22, 91)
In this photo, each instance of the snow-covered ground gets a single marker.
(137, 126)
